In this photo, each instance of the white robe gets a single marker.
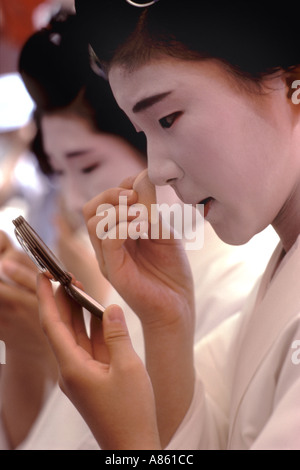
(247, 393)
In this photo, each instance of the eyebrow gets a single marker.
(150, 101)
(78, 153)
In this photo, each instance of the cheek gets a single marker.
(116, 170)
(93, 184)
(199, 150)
(106, 177)
(78, 188)
(228, 162)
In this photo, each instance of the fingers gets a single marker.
(5, 242)
(146, 194)
(71, 313)
(109, 197)
(106, 225)
(99, 350)
(62, 320)
(56, 329)
(56, 314)
(116, 337)
(18, 274)
(13, 298)
(127, 183)
(111, 203)
(10, 252)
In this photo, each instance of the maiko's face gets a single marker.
(85, 162)
(213, 141)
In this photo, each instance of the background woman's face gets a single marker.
(210, 138)
(85, 162)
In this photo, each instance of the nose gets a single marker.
(162, 169)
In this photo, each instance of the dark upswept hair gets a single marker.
(55, 66)
(254, 38)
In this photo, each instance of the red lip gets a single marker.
(207, 207)
(207, 202)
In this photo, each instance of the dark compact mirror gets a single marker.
(46, 261)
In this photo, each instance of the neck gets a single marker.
(287, 222)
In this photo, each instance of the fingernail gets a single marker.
(115, 314)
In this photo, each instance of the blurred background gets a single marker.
(24, 190)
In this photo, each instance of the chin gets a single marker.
(233, 236)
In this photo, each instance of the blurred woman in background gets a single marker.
(83, 143)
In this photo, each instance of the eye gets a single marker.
(90, 169)
(167, 121)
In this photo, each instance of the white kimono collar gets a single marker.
(272, 311)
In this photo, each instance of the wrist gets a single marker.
(179, 321)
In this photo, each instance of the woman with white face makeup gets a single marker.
(213, 91)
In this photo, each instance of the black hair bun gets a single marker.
(54, 62)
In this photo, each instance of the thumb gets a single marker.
(116, 335)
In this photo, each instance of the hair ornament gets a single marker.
(141, 5)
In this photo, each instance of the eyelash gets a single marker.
(85, 171)
(89, 169)
(164, 121)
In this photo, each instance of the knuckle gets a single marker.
(44, 325)
(116, 335)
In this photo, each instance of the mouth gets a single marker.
(207, 202)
